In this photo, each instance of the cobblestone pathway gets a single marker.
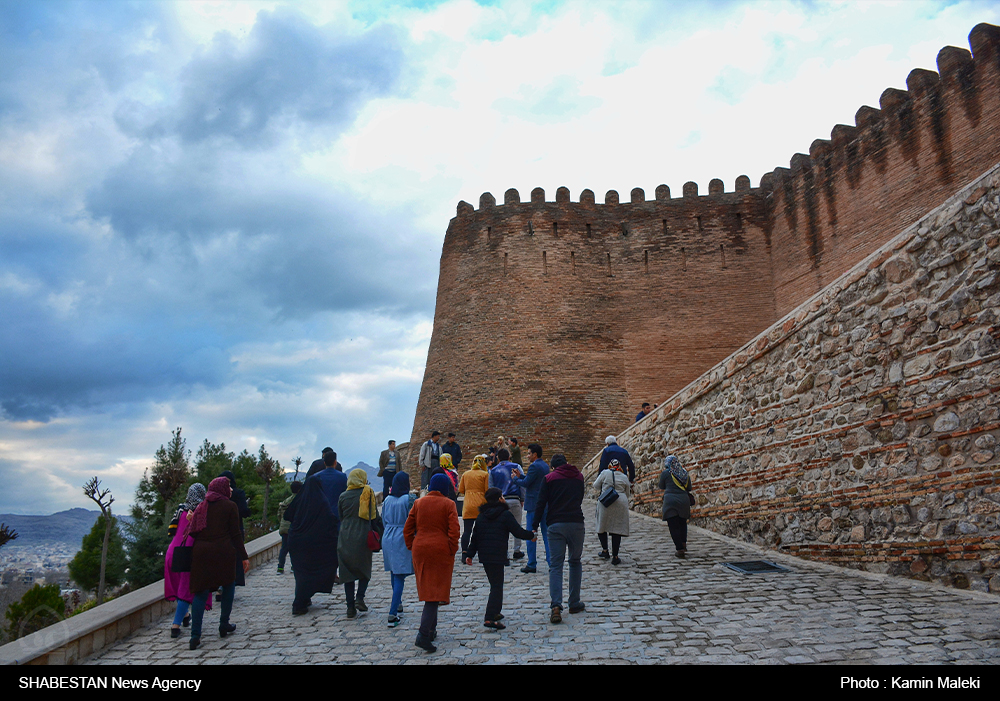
(653, 608)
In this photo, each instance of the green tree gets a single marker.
(161, 483)
(268, 470)
(85, 568)
(41, 606)
(103, 498)
(211, 461)
(146, 547)
(7, 534)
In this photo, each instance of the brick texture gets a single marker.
(556, 320)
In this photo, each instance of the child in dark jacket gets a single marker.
(490, 535)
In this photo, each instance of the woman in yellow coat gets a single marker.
(473, 485)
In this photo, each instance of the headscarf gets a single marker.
(230, 476)
(196, 495)
(446, 461)
(615, 465)
(479, 463)
(218, 489)
(400, 485)
(440, 483)
(358, 479)
(679, 474)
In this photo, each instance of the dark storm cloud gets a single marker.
(135, 271)
(286, 71)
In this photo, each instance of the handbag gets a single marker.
(609, 496)
(183, 554)
(375, 534)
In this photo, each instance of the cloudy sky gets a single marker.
(228, 216)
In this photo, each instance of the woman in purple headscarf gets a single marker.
(218, 547)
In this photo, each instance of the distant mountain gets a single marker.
(373, 479)
(64, 527)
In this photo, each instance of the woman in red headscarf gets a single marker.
(217, 546)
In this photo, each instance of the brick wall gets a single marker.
(862, 428)
(556, 320)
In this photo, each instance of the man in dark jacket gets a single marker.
(494, 525)
(613, 451)
(333, 483)
(532, 484)
(453, 449)
(562, 495)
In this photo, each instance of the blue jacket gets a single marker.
(500, 478)
(532, 483)
(334, 483)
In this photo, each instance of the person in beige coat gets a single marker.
(613, 519)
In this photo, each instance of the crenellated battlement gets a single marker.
(557, 318)
(611, 198)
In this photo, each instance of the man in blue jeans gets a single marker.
(532, 484)
(562, 495)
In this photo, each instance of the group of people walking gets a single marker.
(331, 526)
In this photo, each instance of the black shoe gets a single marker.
(528, 570)
(300, 612)
(605, 555)
(578, 608)
(424, 643)
(175, 632)
(225, 629)
(518, 554)
(498, 617)
(187, 621)
(360, 605)
(194, 644)
(616, 560)
(495, 625)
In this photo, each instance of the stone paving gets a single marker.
(651, 609)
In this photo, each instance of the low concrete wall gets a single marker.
(75, 638)
(863, 428)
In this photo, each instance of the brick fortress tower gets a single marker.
(556, 320)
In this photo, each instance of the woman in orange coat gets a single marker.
(473, 485)
(431, 533)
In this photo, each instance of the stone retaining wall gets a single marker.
(862, 428)
(75, 638)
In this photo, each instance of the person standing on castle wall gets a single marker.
(430, 458)
(532, 484)
(389, 463)
(644, 413)
(560, 501)
(515, 452)
(453, 449)
(676, 485)
(613, 451)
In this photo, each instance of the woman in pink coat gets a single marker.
(177, 585)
